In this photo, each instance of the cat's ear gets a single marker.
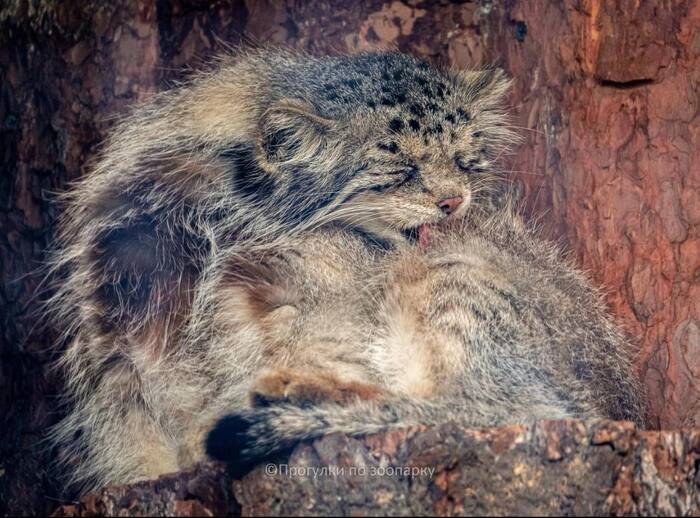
(484, 93)
(485, 88)
(292, 131)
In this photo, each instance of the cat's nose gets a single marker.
(449, 205)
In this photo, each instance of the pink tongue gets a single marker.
(425, 234)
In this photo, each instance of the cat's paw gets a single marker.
(301, 389)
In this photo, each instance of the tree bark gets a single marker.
(554, 468)
(605, 93)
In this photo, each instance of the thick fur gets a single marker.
(488, 325)
(246, 245)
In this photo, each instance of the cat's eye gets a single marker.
(467, 165)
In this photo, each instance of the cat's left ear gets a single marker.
(485, 88)
(291, 130)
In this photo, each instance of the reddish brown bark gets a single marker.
(606, 94)
(556, 468)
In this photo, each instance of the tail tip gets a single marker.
(235, 441)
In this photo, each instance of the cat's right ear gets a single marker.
(291, 132)
(485, 88)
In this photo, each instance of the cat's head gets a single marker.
(384, 143)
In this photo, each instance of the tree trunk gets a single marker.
(606, 96)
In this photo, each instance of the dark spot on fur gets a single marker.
(351, 83)
(386, 76)
(414, 124)
(127, 257)
(477, 134)
(417, 110)
(398, 74)
(434, 130)
(248, 178)
(371, 104)
(401, 98)
(450, 118)
(391, 147)
(432, 107)
(137, 260)
(385, 101)
(305, 187)
(463, 115)
(396, 125)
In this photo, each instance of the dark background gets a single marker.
(606, 98)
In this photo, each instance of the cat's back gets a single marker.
(534, 329)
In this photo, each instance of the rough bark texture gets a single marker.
(204, 491)
(606, 94)
(553, 468)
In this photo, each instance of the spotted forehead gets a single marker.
(419, 102)
(406, 96)
(412, 130)
(439, 124)
(383, 82)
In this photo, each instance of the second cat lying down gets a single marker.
(484, 325)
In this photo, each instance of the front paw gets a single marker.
(295, 388)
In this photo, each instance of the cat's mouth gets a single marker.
(420, 235)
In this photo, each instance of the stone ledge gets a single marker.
(549, 468)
